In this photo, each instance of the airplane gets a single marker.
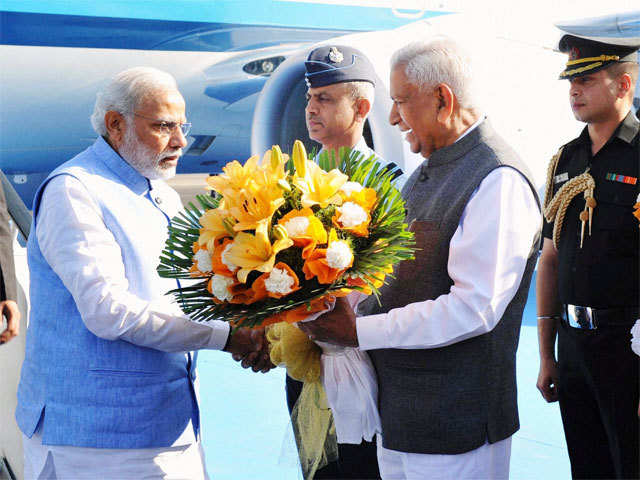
(221, 52)
(239, 65)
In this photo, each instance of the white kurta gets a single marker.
(115, 313)
(487, 258)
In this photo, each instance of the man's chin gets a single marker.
(167, 173)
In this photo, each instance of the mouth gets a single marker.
(313, 123)
(170, 160)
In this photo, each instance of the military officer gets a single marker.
(340, 94)
(587, 284)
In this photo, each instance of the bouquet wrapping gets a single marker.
(277, 240)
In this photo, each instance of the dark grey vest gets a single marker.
(452, 399)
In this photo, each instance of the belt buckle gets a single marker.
(581, 317)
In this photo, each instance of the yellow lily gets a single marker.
(299, 156)
(235, 177)
(215, 224)
(255, 252)
(254, 206)
(272, 172)
(319, 187)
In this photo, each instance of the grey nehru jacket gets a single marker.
(452, 399)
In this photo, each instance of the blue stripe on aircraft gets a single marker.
(282, 13)
(50, 30)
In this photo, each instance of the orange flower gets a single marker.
(242, 293)
(319, 262)
(195, 270)
(357, 204)
(217, 266)
(636, 212)
(316, 266)
(260, 287)
(366, 198)
(299, 313)
(306, 238)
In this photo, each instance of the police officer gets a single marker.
(340, 95)
(587, 284)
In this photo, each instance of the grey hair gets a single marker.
(126, 90)
(439, 60)
(358, 90)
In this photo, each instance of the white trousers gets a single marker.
(61, 462)
(490, 461)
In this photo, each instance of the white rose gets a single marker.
(349, 187)
(339, 255)
(203, 260)
(352, 214)
(297, 226)
(279, 281)
(219, 284)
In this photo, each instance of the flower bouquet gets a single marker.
(278, 239)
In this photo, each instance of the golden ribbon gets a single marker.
(311, 417)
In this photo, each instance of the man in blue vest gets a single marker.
(107, 385)
(443, 339)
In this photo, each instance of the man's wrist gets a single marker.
(227, 342)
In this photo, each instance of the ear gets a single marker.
(624, 84)
(445, 101)
(115, 123)
(363, 107)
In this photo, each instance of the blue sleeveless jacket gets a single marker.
(92, 392)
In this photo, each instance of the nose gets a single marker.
(573, 88)
(177, 140)
(394, 116)
(311, 107)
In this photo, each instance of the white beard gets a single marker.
(140, 157)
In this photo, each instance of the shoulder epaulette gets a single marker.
(551, 172)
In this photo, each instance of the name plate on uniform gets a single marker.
(563, 177)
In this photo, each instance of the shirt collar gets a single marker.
(118, 165)
(629, 127)
(471, 128)
(361, 146)
(625, 131)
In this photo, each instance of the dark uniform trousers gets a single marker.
(598, 389)
(354, 462)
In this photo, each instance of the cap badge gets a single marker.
(574, 53)
(335, 55)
